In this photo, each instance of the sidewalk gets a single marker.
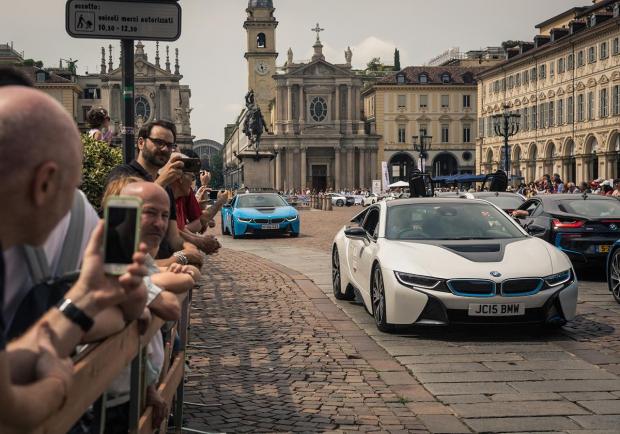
(270, 352)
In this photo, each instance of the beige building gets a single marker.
(314, 115)
(566, 87)
(439, 101)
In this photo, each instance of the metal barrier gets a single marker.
(100, 364)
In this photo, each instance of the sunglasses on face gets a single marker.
(162, 143)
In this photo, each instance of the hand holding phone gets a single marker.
(191, 165)
(122, 217)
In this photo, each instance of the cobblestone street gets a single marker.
(517, 379)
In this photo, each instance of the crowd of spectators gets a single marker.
(55, 294)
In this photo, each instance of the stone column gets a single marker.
(279, 171)
(349, 109)
(289, 170)
(302, 106)
(337, 111)
(303, 170)
(373, 164)
(337, 170)
(350, 169)
(289, 109)
(362, 166)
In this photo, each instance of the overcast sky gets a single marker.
(213, 40)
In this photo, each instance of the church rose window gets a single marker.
(318, 109)
(143, 108)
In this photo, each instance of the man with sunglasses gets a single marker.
(156, 142)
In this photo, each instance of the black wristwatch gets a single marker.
(75, 314)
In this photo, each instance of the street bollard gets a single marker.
(314, 200)
(329, 204)
(324, 203)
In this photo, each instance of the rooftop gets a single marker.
(458, 75)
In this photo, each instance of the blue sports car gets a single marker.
(253, 213)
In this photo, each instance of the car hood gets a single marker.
(475, 259)
(266, 212)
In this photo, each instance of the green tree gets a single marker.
(375, 64)
(509, 44)
(217, 171)
(396, 60)
(99, 159)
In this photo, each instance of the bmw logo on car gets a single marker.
(496, 274)
(613, 227)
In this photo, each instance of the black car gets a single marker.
(350, 200)
(583, 226)
(504, 200)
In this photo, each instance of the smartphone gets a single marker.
(213, 194)
(191, 165)
(122, 232)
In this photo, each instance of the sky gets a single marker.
(213, 40)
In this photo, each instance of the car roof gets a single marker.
(495, 193)
(561, 196)
(267, 193)
(434, 200)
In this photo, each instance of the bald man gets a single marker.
(40, 163)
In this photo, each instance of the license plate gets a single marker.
(273, 226)
(490, 309)
(603, 248)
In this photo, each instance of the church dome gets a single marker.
(268, 4)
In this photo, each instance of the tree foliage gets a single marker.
(217, 170)
(375, 64)
(396, 59)
(99, 159)
(509, 44)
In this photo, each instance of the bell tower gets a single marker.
(261, 54)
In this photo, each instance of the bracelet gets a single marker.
(181, 258)
(75, 314)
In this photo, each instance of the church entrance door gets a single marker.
(319, 177)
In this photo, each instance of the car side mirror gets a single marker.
(355, 233)
(227, 205)
(535, 230)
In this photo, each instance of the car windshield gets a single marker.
(504, 202)
(260, 201)
(592, 208)
(449, 221)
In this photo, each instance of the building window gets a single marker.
(533, 74)
(542, 115)
(603, 104)
(423, 130)
(534, 117)
(542, 71)
(445, 101)
(402, 101)
(590, 106)
(591, 54)
(560, 112)
(466, 101)
(92, 93)
(423, 78)
(445, 77)
(400, 79)
(580, 59)
(318, 109)
(261, 40)
(503, 84)
(143, 108)
(511, 82)
(616, 100)
(517, 79)
(570, 110)
(603, 52)
(570, 62)
(551, 114)
(466, 134)
(525, 77)
(525, 120)
(402, 134)
(423, 101)
(551, 69)
(496, 86)
(481, 127)
(616, 46)
(580, 111)
(561, 66)
(445, 133)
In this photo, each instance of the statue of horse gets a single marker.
(254, 123)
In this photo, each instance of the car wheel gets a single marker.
(232, 229)
(379, 311)
(294, 234)
(613, 275)
(339, 202)
(337, 279)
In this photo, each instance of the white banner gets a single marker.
(376, 186)
(385, 177)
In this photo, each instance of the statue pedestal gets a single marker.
(257, 170)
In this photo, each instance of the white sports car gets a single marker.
(438, 261)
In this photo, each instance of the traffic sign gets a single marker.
(155, 20)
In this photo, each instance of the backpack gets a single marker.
(48, 290)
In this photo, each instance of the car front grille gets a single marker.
(516, 287)
(277, 220)
(262, 221)
(472, 287)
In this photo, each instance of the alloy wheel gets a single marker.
(378, 298)
(614, 275)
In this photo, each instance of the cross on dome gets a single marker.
(318, 30)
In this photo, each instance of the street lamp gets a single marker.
(506, 125)
(421, 148)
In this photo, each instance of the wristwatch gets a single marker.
(181, 258)
(75, 314)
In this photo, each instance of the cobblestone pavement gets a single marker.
(273, 354)
(503, 379)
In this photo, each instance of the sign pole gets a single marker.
(128, 101)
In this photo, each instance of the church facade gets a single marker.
(314, 114)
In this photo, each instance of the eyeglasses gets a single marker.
(162, 143)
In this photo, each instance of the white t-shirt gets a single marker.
(16, 268)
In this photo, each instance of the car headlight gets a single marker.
(244, 220)
(559, 278)
(421, 282)
(291, 219)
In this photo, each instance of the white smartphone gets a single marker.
(122, 215)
